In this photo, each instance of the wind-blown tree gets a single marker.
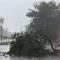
(44, 26)
(27, 44)
(45, 18)
(32, 45)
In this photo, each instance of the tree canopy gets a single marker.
(46, 18)
(44, 26)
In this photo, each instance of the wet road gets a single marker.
(5, 48)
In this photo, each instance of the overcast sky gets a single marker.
(14, 12)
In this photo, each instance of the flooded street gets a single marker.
(5, 48)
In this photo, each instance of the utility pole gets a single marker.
(1, 26)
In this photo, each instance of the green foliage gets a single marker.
(42, 29)
(27, 45)
(45, 17)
